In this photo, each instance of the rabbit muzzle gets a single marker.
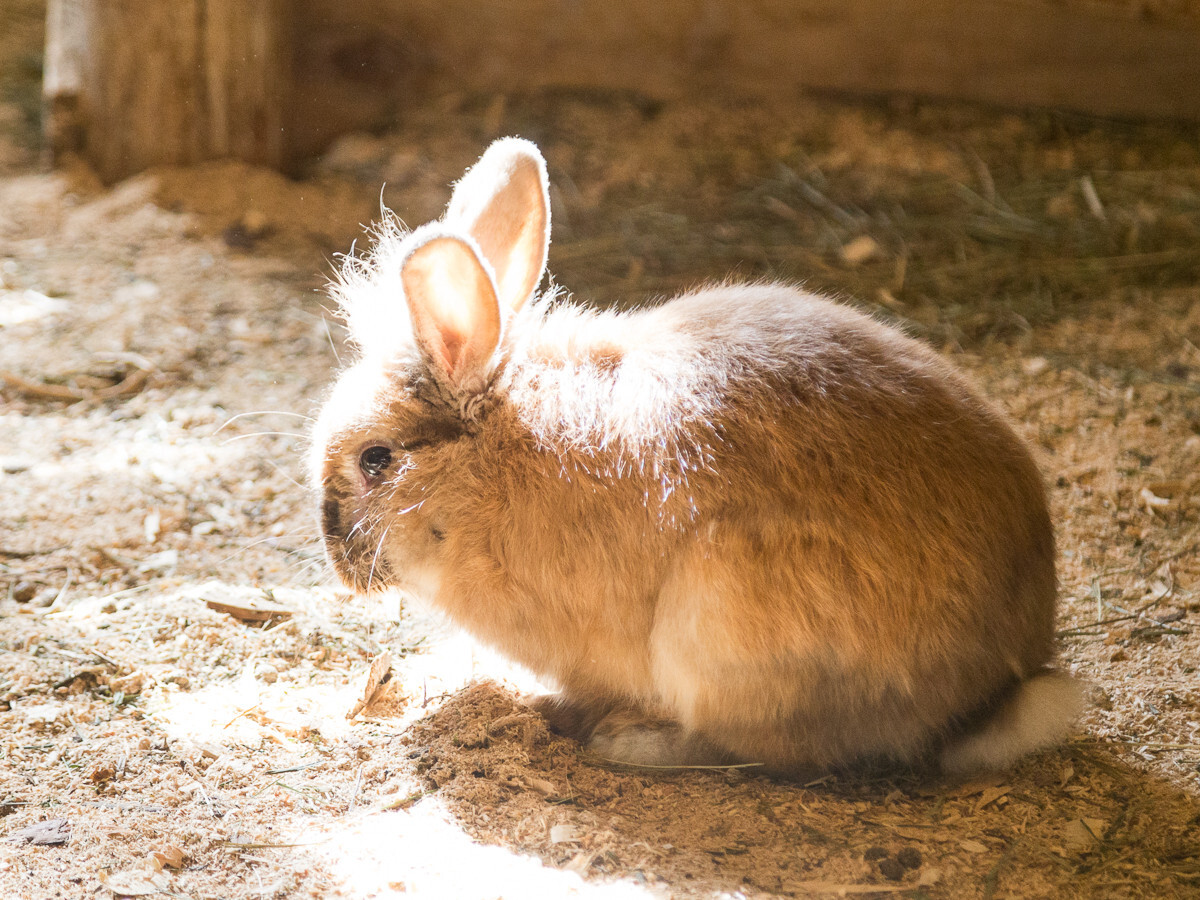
(355, 548)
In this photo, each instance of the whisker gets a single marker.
(242, 437)
(265, 412)
(315, 542)
(332, 345)
(375, 557)
(278, 468)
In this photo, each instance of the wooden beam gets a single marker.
(136, 83)
(1069, 54)
(149, 83)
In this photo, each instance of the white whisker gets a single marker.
(242, 437)
(265, 412)
(332, 346)
(278, 468)
(375, 557)
(312, 540)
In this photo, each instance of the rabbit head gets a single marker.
(429, 312)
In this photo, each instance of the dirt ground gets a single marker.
(163, 342)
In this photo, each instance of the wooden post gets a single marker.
(60, 79)
(136, 83)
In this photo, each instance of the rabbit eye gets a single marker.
(374, 461)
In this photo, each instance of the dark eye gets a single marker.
(374, 461)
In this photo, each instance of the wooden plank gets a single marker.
(1014, 53)
(136, 83)
(1003, 52)
(155, 83)
(247, 69)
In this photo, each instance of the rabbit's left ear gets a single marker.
(452, 301)
(503, 202)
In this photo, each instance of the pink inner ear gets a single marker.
(452, 300)
(502, 202)
(453, 345)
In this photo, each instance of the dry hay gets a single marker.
(164, 730)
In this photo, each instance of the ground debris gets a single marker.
(148, 522)
(136, 882)
(43, 834)
(252, 607)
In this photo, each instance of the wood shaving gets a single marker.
(154, 413)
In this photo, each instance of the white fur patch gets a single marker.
(1039, 715)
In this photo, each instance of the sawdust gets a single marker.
(152, 740)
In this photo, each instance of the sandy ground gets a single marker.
(164, 340)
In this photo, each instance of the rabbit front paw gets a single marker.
(631, 738)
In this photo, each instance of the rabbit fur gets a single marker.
(748, 524)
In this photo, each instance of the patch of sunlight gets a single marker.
(452, 659)
(17, 307)
(173, 448)
(247, 711)
(420, 852)
(171, 456)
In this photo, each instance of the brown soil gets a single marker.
(163, 340)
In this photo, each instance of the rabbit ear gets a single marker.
(455, 314)
(504, 203)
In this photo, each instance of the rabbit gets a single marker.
(747, 525)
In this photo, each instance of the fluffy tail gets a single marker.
(1038, 714)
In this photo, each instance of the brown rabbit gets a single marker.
(748, 524)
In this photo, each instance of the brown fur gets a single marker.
(748, 523)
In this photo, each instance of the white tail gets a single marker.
(1039, 714)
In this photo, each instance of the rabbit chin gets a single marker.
(423, 581)
(367, 576)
